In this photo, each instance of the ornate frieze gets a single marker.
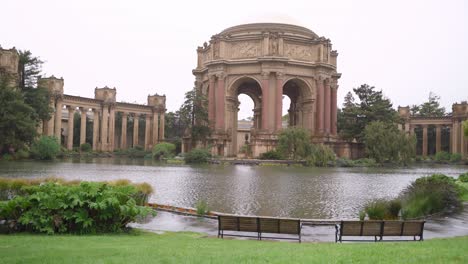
(298, 52)
(245, 49)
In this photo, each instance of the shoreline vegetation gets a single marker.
(139, 246)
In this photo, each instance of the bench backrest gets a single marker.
(381, 228)
(259, 224)
(403, 228)
(238, 223)
(361, 228)
(280, 226)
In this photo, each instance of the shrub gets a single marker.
(46, 148)
(429, 195)
(197, 155)
(164, 150)
(202, 207)
(294, 143)
(455, 157)
(442, 156)
(463, 177)
(383, 210)
(320, 156)
(85, 147)
(271, 155)
(87, 207)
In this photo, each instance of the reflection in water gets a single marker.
(250, 190)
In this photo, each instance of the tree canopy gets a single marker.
(384, 142)
(429, 108)
(193, 116)
(371, 106)
(294, 143)
(17, 126)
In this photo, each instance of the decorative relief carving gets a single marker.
(245, 49)
(273, 44)
(298, 52)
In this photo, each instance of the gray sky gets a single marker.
(405, 48)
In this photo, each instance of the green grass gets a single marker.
(194, 248)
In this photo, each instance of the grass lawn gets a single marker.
(144, 247)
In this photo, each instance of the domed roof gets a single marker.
(261, 27)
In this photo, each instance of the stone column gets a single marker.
(424, 141)
(462, 141)
(220, 103)
(51, 121)
(327, 106)
(211, 101)
(438, 138)
(155, 127)
(111, 128)
(123, 138)
(58, 120)
(454, 136)
(265, 98)
(320, 103)
(71, 117)
(95, 128)
(334, 111)
(104, 127)
(135, 129)
(83, 125)
(279, 100)
(161, 126)
(148, 132)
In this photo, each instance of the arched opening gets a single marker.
(245, 109)
(297, 104)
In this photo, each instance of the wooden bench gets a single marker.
(379, 229)
(259, 226)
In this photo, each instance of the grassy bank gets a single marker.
(194, 248)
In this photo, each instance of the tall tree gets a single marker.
(372, 106)
(384, 142)
(294, 143)
(430, 108)
(17, 127)
(29, 69)
(193, 116)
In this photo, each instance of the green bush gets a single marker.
(383, 210)
(21, 154)
(7, 157)
(46, 148)
(455, 157)
(87, 207)
(85, 147)
(197, 155)
(430, 195)
(320, 156)
(202, 207)
(442, 156)
(463, 177)
(134, 152)
(271, 155)
(164, 150)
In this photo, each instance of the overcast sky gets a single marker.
(405, 48)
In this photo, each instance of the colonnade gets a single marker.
(104, 110)
(104, 128)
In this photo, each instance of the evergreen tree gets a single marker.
(193, 116)
(372, 106)
(17, 126)
(431, 108)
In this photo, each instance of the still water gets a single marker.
(249, 190)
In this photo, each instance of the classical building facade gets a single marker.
(266, 61)
(435, 134)
(101, 110)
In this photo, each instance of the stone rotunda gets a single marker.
(267, 61)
